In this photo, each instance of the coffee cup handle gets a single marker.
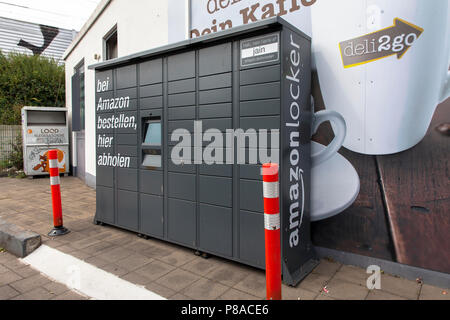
(446, 90)
(340, 131)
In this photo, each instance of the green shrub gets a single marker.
(15, 158)
(29, 81)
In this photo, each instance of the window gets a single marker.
(153, 133)
(79, 71)
(110, 45)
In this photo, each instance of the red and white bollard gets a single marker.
(58, 229)
(272, 225)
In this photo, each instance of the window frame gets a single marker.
(111, 33)
(80, 69)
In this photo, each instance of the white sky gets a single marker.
(66, 14)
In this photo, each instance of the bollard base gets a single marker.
(60, 231)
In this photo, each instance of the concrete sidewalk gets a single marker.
(169, 270)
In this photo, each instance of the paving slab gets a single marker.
(157, 251)
(324, 298)
(80, 254)
(155, 270)
(178, 258)
(159, 289)
(139, 245)
(114, 254)
(56, 288)
(315, 282)
(67, 249)
(69, 295)
(254, 284)
(179, 296)
(6, 293)
(115, 270)
(97, 248)
(178, 279)
(434, 293)
(400, 287)
(233, 294)
(228, 274)
(201, 266)
(352, 274)
(25, 271)
(291, 293)
(96, 261)
(133, 262)
(205, 289)
(343, 290)
(3, 269)
(136, 278)
(327, 268)
(30, 283)
(35, 294)
(9, 277)
(382, 295)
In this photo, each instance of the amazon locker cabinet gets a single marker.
(44, 129)
(257, 77)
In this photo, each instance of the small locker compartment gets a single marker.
(105, 204)
(127, 209)
(182, 222)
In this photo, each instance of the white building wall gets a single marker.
(141, 25)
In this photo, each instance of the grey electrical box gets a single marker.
(237, 79)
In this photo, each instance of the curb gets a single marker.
(18, 241)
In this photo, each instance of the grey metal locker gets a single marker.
(215, 79)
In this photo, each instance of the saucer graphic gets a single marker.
(334, 186)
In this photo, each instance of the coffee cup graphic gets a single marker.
(383, 65)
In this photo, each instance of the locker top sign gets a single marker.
(260, 50)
